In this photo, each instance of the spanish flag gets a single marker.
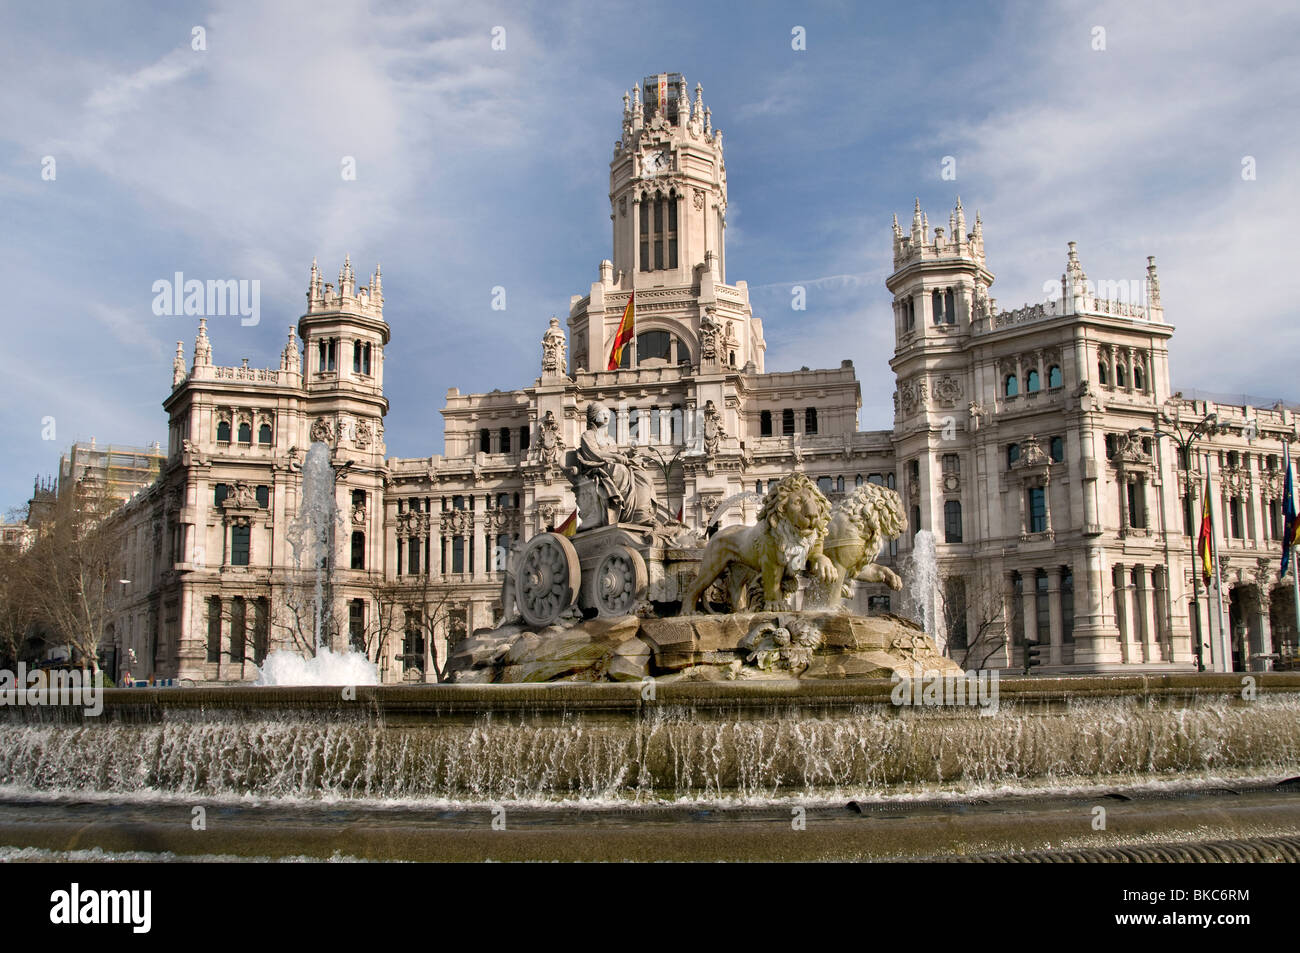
(1203, 545)
(624, 335)
(569, 526)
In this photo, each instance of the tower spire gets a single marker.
(178, 364)
(202, 346)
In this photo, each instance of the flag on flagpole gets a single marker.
(624, 334)
(1289, 523)
(569, 526)
(1204, 544)
(681, 509)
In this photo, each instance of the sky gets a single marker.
(138, 140)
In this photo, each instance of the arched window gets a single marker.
(1054, 378)
(839, 484)
(1031, 382)
(358, 550)
(1057, 451)
(1138, 379)
(264, 434)
(952, 521)
(245, 432)
(1103, 374)
(1013, 454)
(857, 481)
(654, 346)
(1121, 376)
(949, 308)
(1011, 386)
(936, 306)
(223, 431)
(658, 228)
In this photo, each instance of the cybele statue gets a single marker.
(634, 594)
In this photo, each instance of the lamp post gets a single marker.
(666, 466)
(1185, 435)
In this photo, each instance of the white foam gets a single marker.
(326, 668)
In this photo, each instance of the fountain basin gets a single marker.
(621, 744)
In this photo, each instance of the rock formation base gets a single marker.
(759, 645)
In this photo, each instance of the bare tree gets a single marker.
(17, 607)
(983, 622)
(71, 566)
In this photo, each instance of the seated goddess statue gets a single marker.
(625, 485)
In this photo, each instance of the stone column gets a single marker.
(1262, 633)
(1143, 627)
(1056, 620)
(1123, 612)
(1029, 608)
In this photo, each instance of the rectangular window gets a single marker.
(952, 521)
(951, 464)
(1042, 611)
(238, 629)
(1234, 508)
(787, 421)
(643, 212)
(1037, 510)
(413, 556)
(357, 624)
(458, 554)
(239, 545)
(261, 629)
(214, 629)
(1067, 605)
(505, 439)
(810, 420)
(765, 423)
(525, 438)
(358, 550)
(1017, 609)
(954, 603)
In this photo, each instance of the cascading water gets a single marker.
(311, 534)
(924, 598)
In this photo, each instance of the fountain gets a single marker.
(924, 596)
(312, 534)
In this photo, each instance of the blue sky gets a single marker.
(478, 168)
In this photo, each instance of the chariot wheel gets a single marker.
(546, 578)
(620, 582)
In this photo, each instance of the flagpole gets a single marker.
(1224, 644)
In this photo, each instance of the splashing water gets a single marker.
(923, 595)
(324, 668)
(311, 534)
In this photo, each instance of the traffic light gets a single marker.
(1033, 655)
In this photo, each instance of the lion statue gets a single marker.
(859, 526)
(786, 540)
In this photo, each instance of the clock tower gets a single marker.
(668, 206)
(667, 185)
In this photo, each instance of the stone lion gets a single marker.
(786, 540)
(859, 527)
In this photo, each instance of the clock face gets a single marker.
(655, 163)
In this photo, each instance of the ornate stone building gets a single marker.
(1040, 447)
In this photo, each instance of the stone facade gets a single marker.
(1039, 446)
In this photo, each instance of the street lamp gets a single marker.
(666, 466)
(1185, 435)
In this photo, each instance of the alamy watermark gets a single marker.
(215, 297)
(939, 691)
(73, 687)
